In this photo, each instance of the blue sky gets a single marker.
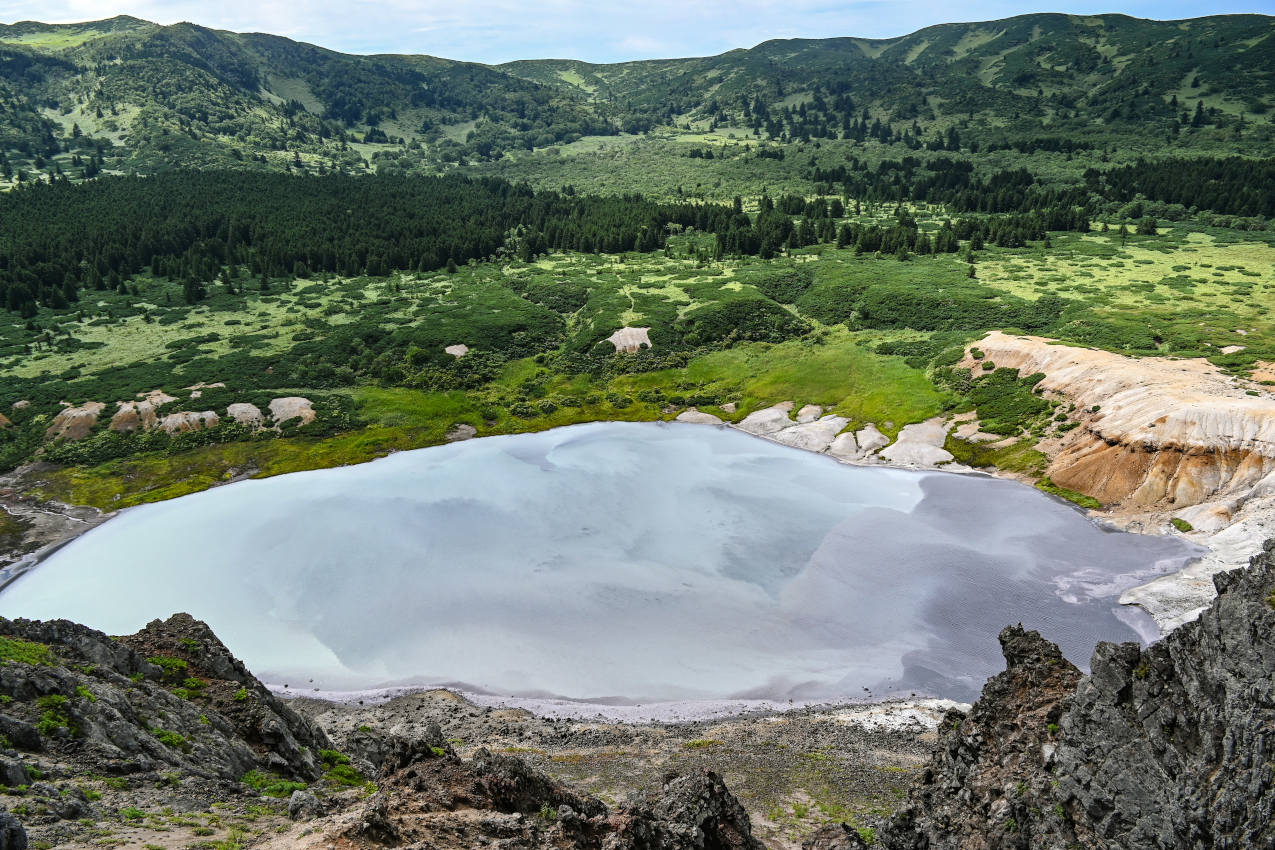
(592, 30)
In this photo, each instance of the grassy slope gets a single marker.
(1195, 286)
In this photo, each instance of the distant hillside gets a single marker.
(127, 94)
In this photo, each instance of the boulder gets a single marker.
(870, 439)
(809, 413)
(768, 420)
(189, 420)
(835, 837)
(133, 416)
(74, 423)
(12, 835)
(303, 805)
(291, 407)
(247, 415)
(461, 432)
(13, 773)
(696, 417)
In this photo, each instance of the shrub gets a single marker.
(271, 784)
(172, 740)
(24, 651)
(333, 757)
(1181, 525)
(1088, 502)
(343, 774)
(1005, 402)
(174, 668)
(54, 716)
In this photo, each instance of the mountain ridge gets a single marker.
(182, 95)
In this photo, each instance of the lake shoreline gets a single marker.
(72, 530)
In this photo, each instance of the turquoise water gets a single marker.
(612, 561)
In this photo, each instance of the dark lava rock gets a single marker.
(12, 835)
(1167, 747)
(835, 837)
(501, 799)
(170, 698)
(303, 805)
(13, 773)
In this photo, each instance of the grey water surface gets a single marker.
(615, 562)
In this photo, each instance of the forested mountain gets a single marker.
(125, 94)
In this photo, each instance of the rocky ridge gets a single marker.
(165, 730)
(1167, 747)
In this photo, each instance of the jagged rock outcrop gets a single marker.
(1154, 431)
(429, 797)
(170, 697)
(1167, 747)
(170, 706)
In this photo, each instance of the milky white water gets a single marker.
(613, 561)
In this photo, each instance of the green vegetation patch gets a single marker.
(25, 651)
(271, 784)
(1087, 502)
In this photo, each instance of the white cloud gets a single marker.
(602, 30)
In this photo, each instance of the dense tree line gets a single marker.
(1234, 185)
(59, 239)
(951, 182)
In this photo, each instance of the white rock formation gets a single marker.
(845, 447)
(816, 436)
(809, 413)
(291, 407)
(630, 339)
(870, 439)
(458, 351)
(919, 444)
(133, 416)
(768, 420)
(1164, 432)
(189, 420)
(697, 417)
(74, 423)
(248, 415)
